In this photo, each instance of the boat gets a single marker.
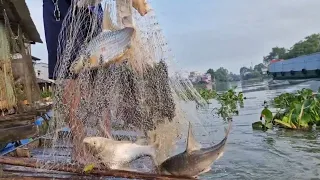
(297, 81)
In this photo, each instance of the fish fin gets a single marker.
(154, 140)
(141, 6)
(141, 141)
(107, 23)
(192, 144)
(78, 64)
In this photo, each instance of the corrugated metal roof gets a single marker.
(19, 15)
(39, 80)
(35, 58)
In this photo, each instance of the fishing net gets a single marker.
(7, 95)
(137, 95)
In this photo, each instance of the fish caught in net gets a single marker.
(114, 79)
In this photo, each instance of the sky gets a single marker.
(207, 34)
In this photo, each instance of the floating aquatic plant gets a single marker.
(300, 110)
(267, 115)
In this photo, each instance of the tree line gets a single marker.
(309, 45)
(223, 75)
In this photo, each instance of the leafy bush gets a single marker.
(228, 100)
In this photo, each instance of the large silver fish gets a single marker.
(118, 154)
(194, 160)
(105, 48)
(112, 43)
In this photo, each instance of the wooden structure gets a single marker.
(21, 33)
(75, 171)
(45, 85)
(18, 116)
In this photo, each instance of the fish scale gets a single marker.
(113, 42)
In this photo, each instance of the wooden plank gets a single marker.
(32, 172)
(23, 118)
(27, 162)
(18, 133)
(18, 177)
(18, 117)
(9, 124)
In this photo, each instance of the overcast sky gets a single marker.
(230, 33)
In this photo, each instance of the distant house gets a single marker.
(206, 78)
(42, 74)
(196, 77)
(264, 70)
(35, 59)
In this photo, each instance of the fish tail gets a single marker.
(107, 23)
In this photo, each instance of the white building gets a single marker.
(264, 70)
(196, 77)
(42, 74)
(41, 70)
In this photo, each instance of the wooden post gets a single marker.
(32, 89)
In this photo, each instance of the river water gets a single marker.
(275, 154)
(249, 154)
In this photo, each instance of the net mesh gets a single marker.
(7, 95)
(137, 96)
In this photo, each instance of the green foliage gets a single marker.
(249, 73)
(234, 77)
(45, 94)
(229, 101)
(298, 110)
(259, 67)
(276, 52)
(252, 75)
(207, 94)
(310, 44)
(212, 73)
(221, 74)
(268, 116)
